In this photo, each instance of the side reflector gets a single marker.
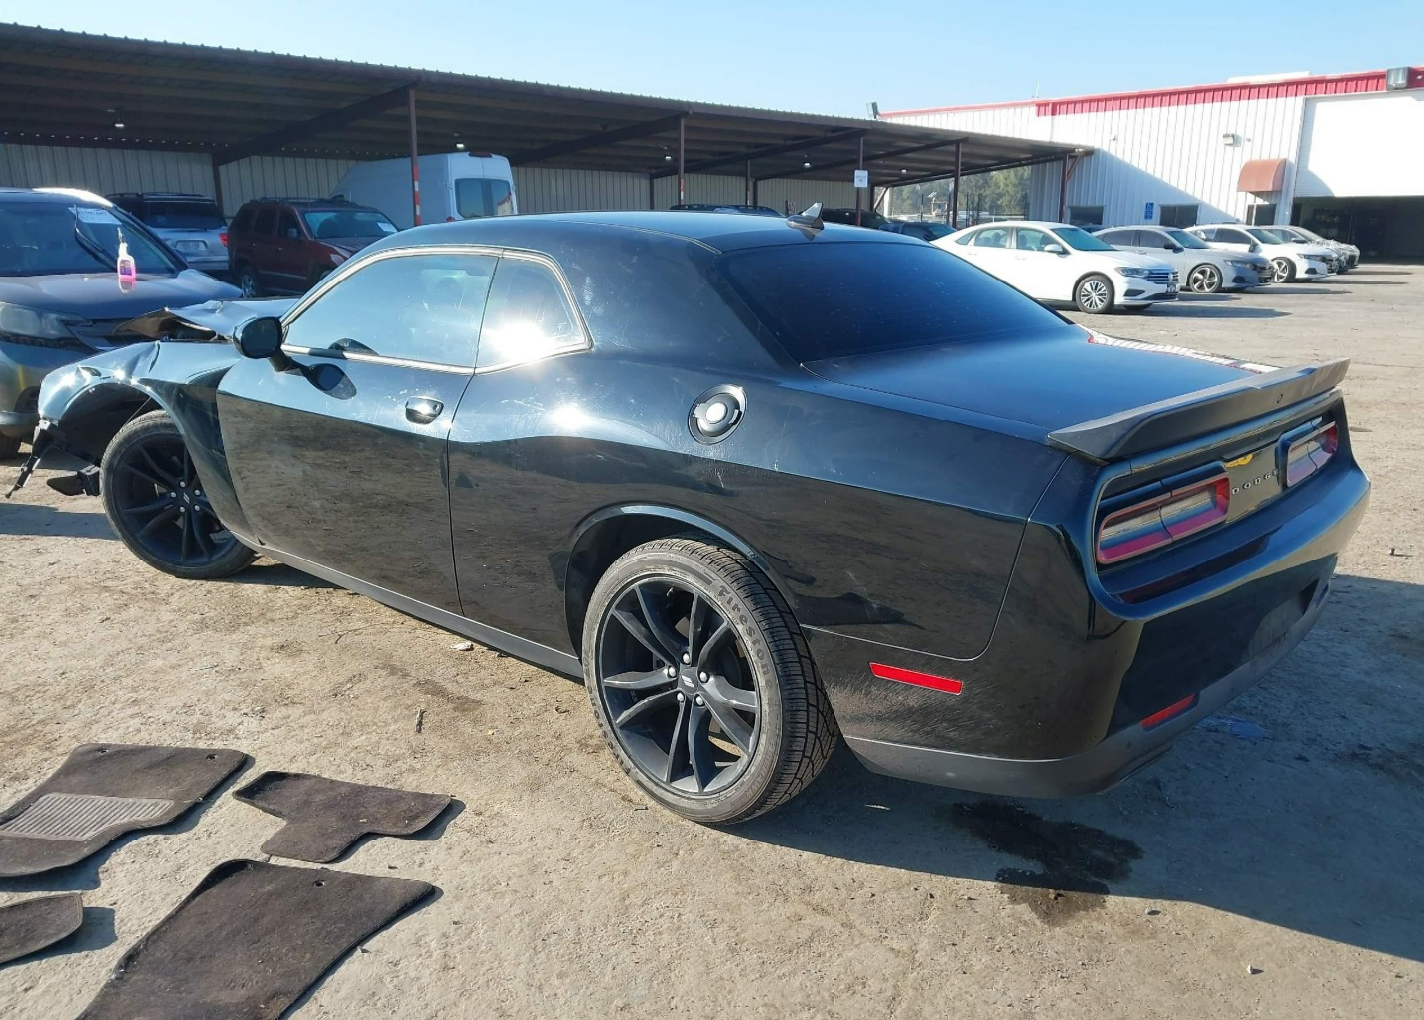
(1170, 712)
(910, 676)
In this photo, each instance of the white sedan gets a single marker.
(1057, 263)
(1290, 261)
(1201, 268)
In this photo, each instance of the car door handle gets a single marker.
(423, 409)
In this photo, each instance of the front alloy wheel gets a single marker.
(1094, 295)
(154, 499)
(1282, 270)
(702, 682)
(1204, 279)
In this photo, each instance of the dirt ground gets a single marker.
(1270, 866)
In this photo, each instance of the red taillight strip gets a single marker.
(910, 676)
(1157, 532)
(1327, 440)
(1170, 712)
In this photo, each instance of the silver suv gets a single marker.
(192, 225)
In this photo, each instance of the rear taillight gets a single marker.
(1307, 450)
(223, 237)
(1163, 519)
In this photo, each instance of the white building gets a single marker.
(1340, 154)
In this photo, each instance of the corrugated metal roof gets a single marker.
(61, 88)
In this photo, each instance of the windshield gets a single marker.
(477, 197)
(835, 300)
(1075, 237)
(183, 215)
(59, 238)
(326, 223)
(1267, 236)
(1186, 240)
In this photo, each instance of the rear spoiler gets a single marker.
(1179, 419)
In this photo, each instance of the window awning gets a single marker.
(1259, 176)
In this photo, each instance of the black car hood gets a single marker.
(1051, 380)
(219, 318)
(98, 295)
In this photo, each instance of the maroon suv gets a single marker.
(287, 244)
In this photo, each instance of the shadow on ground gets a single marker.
(18, 518)
(1300, 805)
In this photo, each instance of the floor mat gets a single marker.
(248, 941)
(325, 816)
(31, 925)
(101, 792)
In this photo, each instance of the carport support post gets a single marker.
(217, 187)
(751, 185)
(953, 223)
(859, 165)
(414, 155)
(652, 192)
(681, 160)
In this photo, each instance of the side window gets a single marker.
(266, 221)
(994, 237)
(966, 238)
(242, 222)
(529, 316)
(1234, 236)
(1156, 239)
(1029, 239)
(287, 228)
(418, 307)
(1206, 233)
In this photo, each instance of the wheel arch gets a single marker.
(94, 416)
(607, 534)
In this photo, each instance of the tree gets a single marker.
(1001, 193)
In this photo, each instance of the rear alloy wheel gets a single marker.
(155, 501)
(1094, 294)
(702, 683)
(1282, 270)
(249, 282)
(1204, 279)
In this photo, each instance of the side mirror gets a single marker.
(1171, 247)
(1054, 249)
(261, 338)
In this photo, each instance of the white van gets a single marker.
(453, 186)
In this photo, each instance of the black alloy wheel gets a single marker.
(154, 499)
(702, 682)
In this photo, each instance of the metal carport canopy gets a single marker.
(71, 88)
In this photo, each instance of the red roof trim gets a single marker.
(1190, 95)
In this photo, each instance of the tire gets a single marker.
(1282, 270)
(1204, 279)
(249, 282)
(740, 729)
(9, 446)
(1093, 294)
(153, 501)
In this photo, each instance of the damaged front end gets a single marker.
(83, 406)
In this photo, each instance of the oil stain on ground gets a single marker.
(1077, 861)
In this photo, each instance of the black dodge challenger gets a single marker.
(757, 481)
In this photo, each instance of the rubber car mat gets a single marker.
(248, 941)
(325, 816)
(101, 792)
(31, 925)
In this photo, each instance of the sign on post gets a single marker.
(1147, 211)
(862, 178)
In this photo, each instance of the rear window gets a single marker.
(834, 300)
(476, 197)
(182, 215)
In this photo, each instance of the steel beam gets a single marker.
(772, 150)
(414, 153)
(329, 121)
(554, 150)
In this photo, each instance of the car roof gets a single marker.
(1037, 224)
(720, 232)
(55, 197)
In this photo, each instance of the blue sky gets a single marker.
(826, 57)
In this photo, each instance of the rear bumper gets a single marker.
(1098, 768)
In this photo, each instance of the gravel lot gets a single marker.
(1270, 866)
